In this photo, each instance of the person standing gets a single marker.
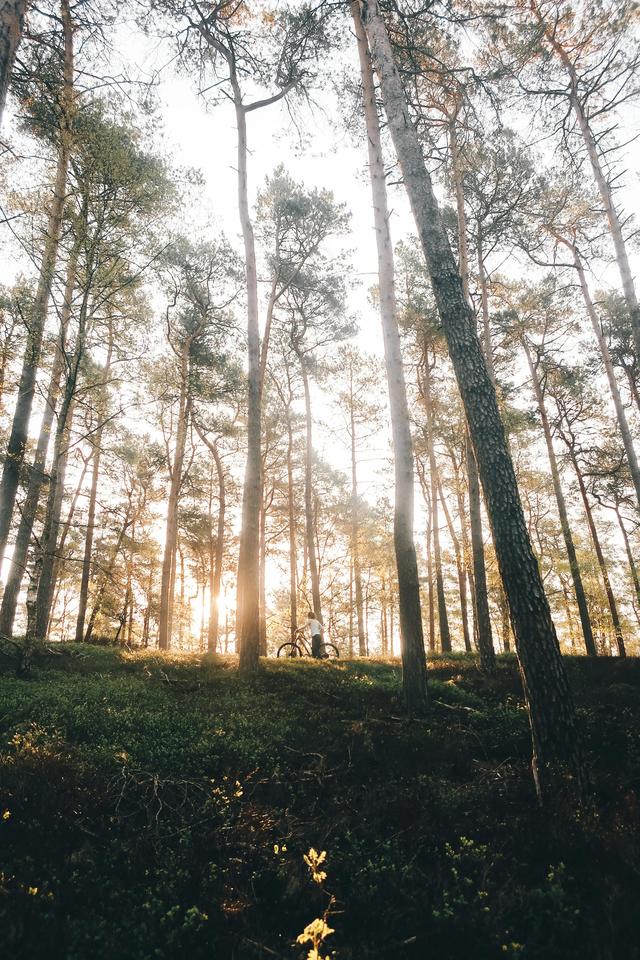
(316, 630)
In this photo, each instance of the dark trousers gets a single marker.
(316, 645)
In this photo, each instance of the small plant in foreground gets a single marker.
(318, 930)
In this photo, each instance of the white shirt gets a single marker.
(315, 628)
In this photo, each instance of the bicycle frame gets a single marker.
(300, 638)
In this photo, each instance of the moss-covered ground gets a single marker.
(160, 807)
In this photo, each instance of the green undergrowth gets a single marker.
(160, 807)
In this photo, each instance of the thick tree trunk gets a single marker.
(602, 563)
(37, 475)
(38, 315)
(414, 664)
(87, 558)
(248, 588)
(483, 618)
(574, 566)
(546, 686)
(11, 25)
(310, 526)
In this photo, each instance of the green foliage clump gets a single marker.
(154, 806)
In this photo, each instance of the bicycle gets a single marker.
(300, 648)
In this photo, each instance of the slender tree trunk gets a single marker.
(38, 475)
(167, 584)
(214, 620)
(106, 579)
(308, 497)
(613, 219)
(181, 618)
(604, 187)
(87, 558)
(443, 619)
(38, 315)
(129, 623)
(632, 564)
(293, 547)
(428, 545)
(568, 616)
(462, 578)
(486, 324)
(631, 381)
(466, 553)
(546, 686)
(504, 614)
(621, 415)
(355, 526)
(5, 354)
(611, 600)
(49, 536)
(366, 616)
(147, 612)
(384, 638)
(11, 24)
(481, 606)
(351, 632)
(414, 664)
(66, 526)
(263, 575)
(574, 566)
(248, 599)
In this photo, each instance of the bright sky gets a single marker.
(205, 138)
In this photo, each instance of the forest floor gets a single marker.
(161, 806)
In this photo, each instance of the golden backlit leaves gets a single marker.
(237, 13)
(314, 933)
(314, 861)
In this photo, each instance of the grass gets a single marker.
(160, 806)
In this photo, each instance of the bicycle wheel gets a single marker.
(329, 652)
(289, 650)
